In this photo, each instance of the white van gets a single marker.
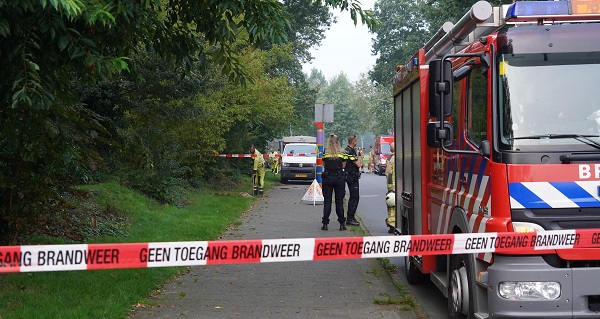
(299, 167)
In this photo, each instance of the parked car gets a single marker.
(298, 167)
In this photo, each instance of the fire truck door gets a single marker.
(472, 172)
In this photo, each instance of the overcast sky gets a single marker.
(346, 48)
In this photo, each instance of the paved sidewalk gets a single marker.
(308, 289)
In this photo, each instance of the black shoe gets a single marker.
(352, 222)
(392, 230)
(324, 227)
(342, 226)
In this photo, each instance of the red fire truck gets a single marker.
(382, 152)
(497, 126)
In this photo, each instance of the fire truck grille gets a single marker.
(560, 218)
(595, 211)
(579, 224)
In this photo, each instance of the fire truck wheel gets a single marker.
(413, 275)
(460, 300)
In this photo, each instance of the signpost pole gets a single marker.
(319, 126)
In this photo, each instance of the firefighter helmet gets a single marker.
(390, 199)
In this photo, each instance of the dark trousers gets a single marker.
(331, 185)
(352, 182)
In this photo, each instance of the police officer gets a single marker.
(334, 161)
(258, 171)
(390, 174)
(352, 177)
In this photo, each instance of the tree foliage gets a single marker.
(310, 19)
(151, 84)
(374, 105)
(402, 32)
(406, 26)
(346, 119)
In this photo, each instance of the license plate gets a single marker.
(301, 175)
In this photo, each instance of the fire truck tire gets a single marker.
(284, 180)
(413, 275)
(460, 288)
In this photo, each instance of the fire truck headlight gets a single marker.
(286, 164)
(529, 290)
(520, 227)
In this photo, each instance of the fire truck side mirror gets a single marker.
(435, 135)
(485, 149)
(441, 81)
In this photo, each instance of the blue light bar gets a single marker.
(415, 62)
(522, 9)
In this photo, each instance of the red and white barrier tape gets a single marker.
(169, 254)
(263, 155)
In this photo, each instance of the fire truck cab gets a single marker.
(497, 129)
(382, 152)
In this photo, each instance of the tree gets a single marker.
(47, 136)
(317, 79)
(309, 21)
(402, 32)
(374, 105)
(436, 12)
(406, 26)
(346, 121)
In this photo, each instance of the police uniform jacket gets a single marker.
(333, 164)
(352, 157)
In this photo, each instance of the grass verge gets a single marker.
(406, 301)
(113, 293)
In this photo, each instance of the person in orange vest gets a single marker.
(258, 171)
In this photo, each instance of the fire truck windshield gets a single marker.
(385, 149)
(549, 100)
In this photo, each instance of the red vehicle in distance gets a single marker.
(382, 152)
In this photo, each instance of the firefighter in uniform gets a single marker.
(258, 171)
(390, 198)
(352, 177)
(274, 162)
(334, 181)
(371, 167)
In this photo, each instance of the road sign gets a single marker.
(324, 113)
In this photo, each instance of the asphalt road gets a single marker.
(372, 212)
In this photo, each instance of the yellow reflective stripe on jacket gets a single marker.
(336, 155)
(351, 157)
